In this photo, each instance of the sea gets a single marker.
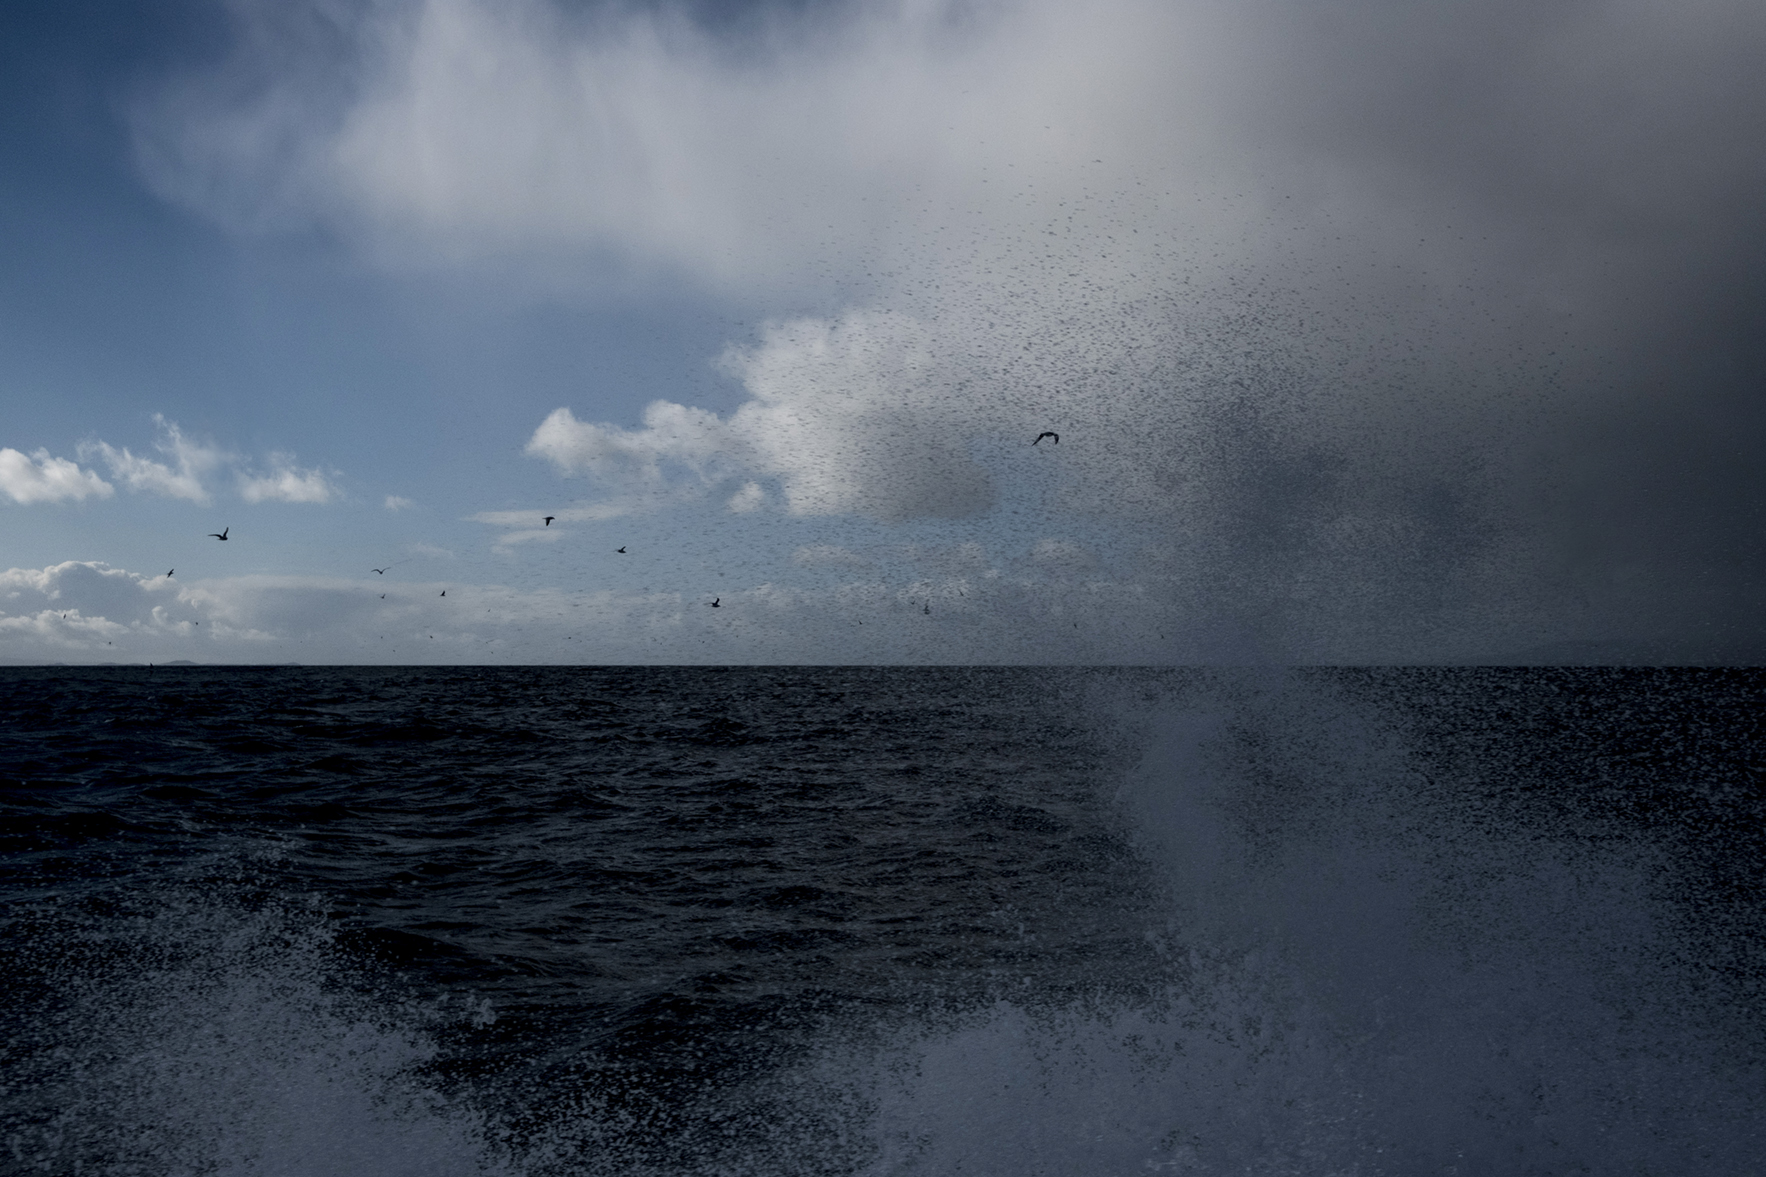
(793, 921)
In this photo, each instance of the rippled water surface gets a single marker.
(840, 920)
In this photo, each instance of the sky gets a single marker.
(1371, 331)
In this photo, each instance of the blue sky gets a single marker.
(1381, 332)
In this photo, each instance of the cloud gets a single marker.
(41, 478)
(857, 145)
(1063, 556)
(398, 503)
(526, 519)
(181, 480)
(1390, 324)
(673, 435)
(286, 483)
(828, 556)
(751, 497)
(82, 607)
(88, 612)
(536, 535)
(639, 137)
(97, 585)
(959, 604)
(191, 462)
(850, 417)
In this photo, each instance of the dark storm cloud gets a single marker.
(1605, 163)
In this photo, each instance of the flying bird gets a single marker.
(444, 592)
(714, 602)
(381, 571)
(549, 519)
(621, 551)
(169, 574)
(222, 535)
(1044, 434)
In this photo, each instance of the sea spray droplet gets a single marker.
(213, 1040)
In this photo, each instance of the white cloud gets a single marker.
(851, 417)
(41, 478)
(956, 603)
(673, 435)
(524, 522)
(751, 497)
(81, 611)
(190, 462)
(828, 556)
(525, 519)
(398, 503)
(904, 417)
(486, 128)
(536, 535)
(1061, 555)
(286, 483)
(181, 480)
(81, 606)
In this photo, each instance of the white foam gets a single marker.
(1363, 979)
(226, 1053)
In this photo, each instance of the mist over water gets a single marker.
(883, 921)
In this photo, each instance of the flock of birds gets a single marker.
(222, 536)
(715, 603)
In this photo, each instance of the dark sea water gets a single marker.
(296, 921)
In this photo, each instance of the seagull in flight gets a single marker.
(1046, 433)
(621, 551)
(549, 519)
(382, 571)
(222, 534)
(714, 602)
(169, 574)
(444, 592)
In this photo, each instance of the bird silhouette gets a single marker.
(1044, 434)
(444, 592)
(621, 551)
(169, 574)
(549, 519)
(714, 602)
(381, 571)
(222, 534)
(928, 608)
